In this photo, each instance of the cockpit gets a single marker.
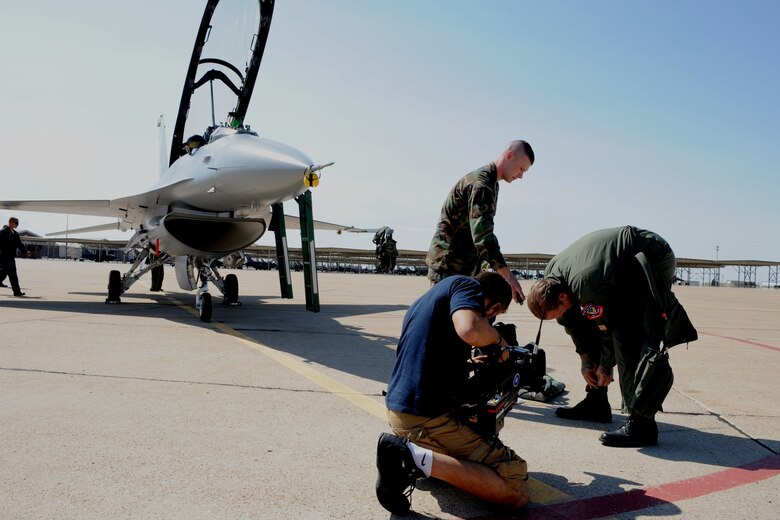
(212, 134)
(215, 133)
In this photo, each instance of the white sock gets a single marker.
(423, 458)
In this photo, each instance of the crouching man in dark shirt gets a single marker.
(439, 331)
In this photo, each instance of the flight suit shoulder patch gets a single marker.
(593, 311)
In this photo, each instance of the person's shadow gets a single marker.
(601, 497)
(606, 495)
(675, 442)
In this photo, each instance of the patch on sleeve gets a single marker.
(592, 311)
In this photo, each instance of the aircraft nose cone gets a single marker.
(265, 170)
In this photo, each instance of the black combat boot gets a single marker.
(397, 474)
(637, 432)
(595, 407)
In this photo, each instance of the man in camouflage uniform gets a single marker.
(611, 290)
(464, 236)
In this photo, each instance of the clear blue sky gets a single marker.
(664, 115)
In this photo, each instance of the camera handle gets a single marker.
(538, 336)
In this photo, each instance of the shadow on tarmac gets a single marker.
(604, 492)
(603, 496)
(316, 337)
(675, 442)
(146, 309)
(320, 338)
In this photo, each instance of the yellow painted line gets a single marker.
(368, 404)
(542, 493)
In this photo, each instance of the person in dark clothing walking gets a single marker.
(9, 243)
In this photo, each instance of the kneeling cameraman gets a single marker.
(434, 350)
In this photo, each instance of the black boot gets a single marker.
(595, 407)
(638, 431)
(397, 474)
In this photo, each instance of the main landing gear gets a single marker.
(119, 283)
(186, 268)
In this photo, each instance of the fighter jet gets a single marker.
(220, 189)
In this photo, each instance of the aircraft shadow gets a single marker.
(148, 309)
(317, 337)
(321, 338)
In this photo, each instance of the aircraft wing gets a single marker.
(292, 222)
(97, 208)
(124, 208)
(100, 227)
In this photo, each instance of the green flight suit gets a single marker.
(624, 308)
(464, 235)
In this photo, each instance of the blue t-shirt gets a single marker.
(430, 364)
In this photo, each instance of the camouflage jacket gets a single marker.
(464, 236)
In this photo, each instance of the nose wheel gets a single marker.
(227, 285)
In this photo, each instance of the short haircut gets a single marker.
(543, 297)
(520, 144)
(495, 288)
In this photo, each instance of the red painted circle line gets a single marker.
(638, 499)
(740, 340)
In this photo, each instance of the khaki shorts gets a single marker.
(445, 434)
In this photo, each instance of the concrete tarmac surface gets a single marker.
(140, 410)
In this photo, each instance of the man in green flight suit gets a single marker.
(464, 235)
(611, 290)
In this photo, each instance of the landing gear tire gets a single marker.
(231, 290)
(114, 287)
(205, 307)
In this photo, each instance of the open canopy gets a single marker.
(223, 68)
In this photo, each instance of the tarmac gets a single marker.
(140, 410)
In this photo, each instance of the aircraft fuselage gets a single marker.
(217, 199)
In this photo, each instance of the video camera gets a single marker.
(496, 378)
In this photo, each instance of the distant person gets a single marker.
(193, 143)
(158, 274)
(386, 250)
(612, 291)
(438, 334)
(9, 243)
(464, 235)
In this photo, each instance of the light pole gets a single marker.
(717, 277)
